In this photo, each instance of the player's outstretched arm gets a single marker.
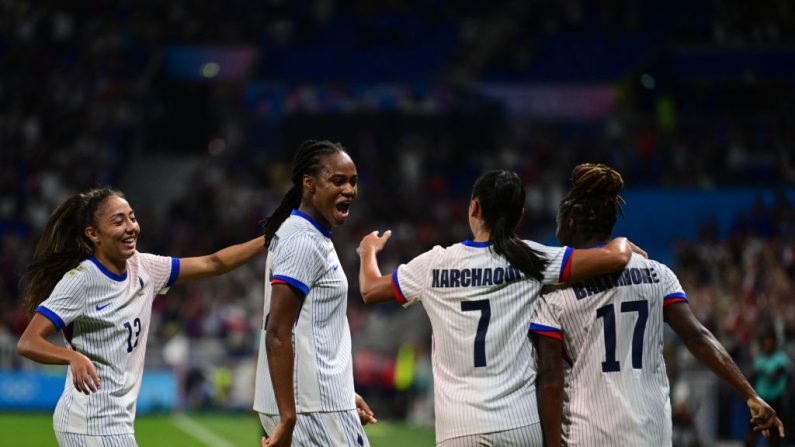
(285, 305)
(220, 262)
(374, 287)
(549, 387)
(589, 262)
(33, 344)
(707, 349)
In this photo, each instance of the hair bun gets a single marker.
(592, 178)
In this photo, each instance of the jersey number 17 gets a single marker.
(608, 316)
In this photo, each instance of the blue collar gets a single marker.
(319, 227)
(469, 243)
(107, 272)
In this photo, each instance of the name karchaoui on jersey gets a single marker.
(479, 307)
(611, 326)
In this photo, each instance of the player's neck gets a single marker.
(481, 235)
(588, 243)
(115, 266)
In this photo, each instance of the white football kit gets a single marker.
(479, 307)
(106, 317)
(616, 391)
(301, 255)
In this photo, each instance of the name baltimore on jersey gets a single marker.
(626, 277)
(474, 277)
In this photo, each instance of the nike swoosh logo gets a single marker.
(102, 307)
(335, 267)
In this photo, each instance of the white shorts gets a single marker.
(527, 436)
(76, 440)
(337, 428)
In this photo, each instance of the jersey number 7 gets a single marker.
(608, 315)
(483, 326)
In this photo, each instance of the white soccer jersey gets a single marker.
(616, 392)
(105, 317)
(479, 307)
(302, 255)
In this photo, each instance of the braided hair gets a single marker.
(63, 245)
(501, 196)
(593, 200)
(306, 161)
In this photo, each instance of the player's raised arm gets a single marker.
(220, 262)
(705, 347)
(374, 287)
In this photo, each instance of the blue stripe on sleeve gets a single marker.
(52, 316)
(401, 297)
(565, 262)
(541, 327)
(293, 282)
(172, 278)
(676, 295)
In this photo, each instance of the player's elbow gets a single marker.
(24, 347)
(368, 295)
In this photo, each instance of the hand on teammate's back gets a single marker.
(84, 374)
(763, 417)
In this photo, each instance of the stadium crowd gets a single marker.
(78, 96)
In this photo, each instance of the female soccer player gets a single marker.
(479, 295)
(610, 330)
(304, 384)
(88, 279)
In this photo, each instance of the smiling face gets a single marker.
(114, 231)
(331, 190)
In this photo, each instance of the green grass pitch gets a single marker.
(214, 430)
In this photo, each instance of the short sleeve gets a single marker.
(67, 300)
(558, 269)
(298, 261)
(163, 270)
(671, 289)
(409, 280)
(545, 320)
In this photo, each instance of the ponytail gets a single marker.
(501, 196)
(306, 161)
(62, 246)
(290, 201)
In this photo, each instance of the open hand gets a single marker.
(373, 243)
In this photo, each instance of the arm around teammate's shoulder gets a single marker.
(609, 258)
